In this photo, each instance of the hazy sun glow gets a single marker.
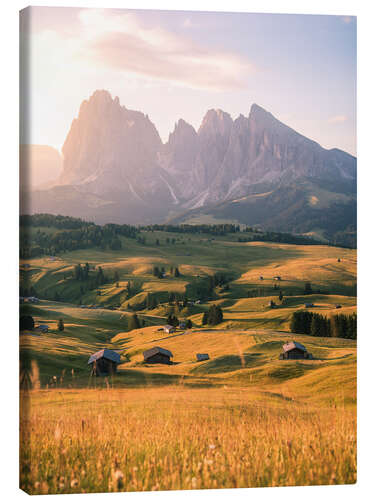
(177, 64)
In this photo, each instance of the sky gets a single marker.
(178, 64)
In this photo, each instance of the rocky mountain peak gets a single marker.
(182, 129)
(113, 151)
(107, 143)
(216, 121)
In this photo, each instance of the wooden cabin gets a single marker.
(169, 329)
(157, 355)
(294, 350)
(104, 362)
(202, 357)
(42, 328)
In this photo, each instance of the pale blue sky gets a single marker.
(171, 65)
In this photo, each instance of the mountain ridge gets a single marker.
(116, 154)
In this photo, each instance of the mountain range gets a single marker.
(254, 170)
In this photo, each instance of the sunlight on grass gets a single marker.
(178, 438)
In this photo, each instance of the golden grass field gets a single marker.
(182, 438)
(241, 419)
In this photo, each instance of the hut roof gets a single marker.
(107, 354)
(202, 357)
(293, 345)
(156, 350)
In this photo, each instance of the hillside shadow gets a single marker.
(138, 378)
(229, 363)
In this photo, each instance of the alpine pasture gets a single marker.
(241, 418)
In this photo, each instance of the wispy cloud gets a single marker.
(338, 119)
(121, 42)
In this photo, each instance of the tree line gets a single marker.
(214, 229)
(317, 325)
(70, 234)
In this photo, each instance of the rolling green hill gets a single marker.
(243, 349)
(241, 406)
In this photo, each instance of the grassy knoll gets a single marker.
(197, 255)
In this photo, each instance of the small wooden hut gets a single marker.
(294, 350)
(42, 328)
(169, 329)
(202, 357)
(157, 355)
(104, 362)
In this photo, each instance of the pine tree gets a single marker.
(134, 322)
(316, 326)
(205, 318)
(281, 296)
(148, 301)
(60, 325)
(85, 271)
(301, 322)
(214, 315)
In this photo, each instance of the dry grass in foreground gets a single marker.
(180, 438)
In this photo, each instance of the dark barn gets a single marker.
(158, 355)
(104, 362)
(294, 350)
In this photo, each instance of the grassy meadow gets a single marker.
(243, 418)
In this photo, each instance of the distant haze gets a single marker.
(40, 166)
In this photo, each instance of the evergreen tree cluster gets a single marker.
(172, 320)
(71, 234)
(134, 322)
(317, 325)
(82, 273)
(213, 229)
(158, 272)
(26, 322)
(151, 301)
(213, 316)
